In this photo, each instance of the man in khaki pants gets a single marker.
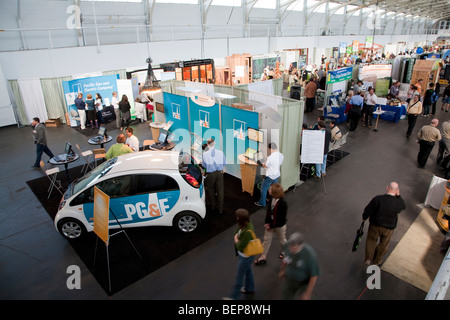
(382, 212)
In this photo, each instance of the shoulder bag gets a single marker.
(254, 247)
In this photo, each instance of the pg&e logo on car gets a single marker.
(156, 208)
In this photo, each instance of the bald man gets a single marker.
(427, 137)
(382, 212)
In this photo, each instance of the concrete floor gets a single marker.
(34, 258)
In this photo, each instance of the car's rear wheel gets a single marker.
(187, 222)
(71, 228)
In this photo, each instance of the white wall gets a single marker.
(6, 111)
(77, 60)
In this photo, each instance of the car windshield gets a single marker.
(92, 176)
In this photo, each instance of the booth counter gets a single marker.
(391, 113)
(248, 173)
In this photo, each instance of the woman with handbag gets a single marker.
(275, 222)
(244, 282)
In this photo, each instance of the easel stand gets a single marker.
(107, 248)
(298, 184)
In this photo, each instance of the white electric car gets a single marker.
(147, 188)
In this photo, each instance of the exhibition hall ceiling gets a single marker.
(433, 9)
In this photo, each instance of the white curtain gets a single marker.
(33, 99)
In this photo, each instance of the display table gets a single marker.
(168, 147)
(337, 110)
(391, 113)
(155, 126)
(64, 159)
(93, 141)
(248, 173)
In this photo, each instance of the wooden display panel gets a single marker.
(248, 174)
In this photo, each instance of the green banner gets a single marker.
(339, 75)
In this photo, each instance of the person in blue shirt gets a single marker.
(357, 103)
(214, 162)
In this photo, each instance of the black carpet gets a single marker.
(110, 126)
(308, 170)
(156, 245)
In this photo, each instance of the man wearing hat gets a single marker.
(299, 269)
(414, 110)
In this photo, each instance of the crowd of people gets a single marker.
(299, 266)
(90, 110)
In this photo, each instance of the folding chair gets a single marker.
(51, 175)
(147, 143)
(99, 154)
(87, 155)
(342, 141)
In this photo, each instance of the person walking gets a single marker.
(427, 100)
(40, 140)
(299, 269)
(427, 137)
(446, 98)
(275, 222)
(413, 111)
(214, 162)
(244, 281)
(382, 212)
(273, 173)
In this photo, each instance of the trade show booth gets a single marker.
(199, 112)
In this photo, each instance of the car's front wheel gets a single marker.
(187, 222)
(71, 228)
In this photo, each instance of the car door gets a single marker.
(154, 196)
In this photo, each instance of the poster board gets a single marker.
(101, 215)
(313, 143)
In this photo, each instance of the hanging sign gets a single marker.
(369, 42)
(203, 100)
(339, 75)
(355, 46)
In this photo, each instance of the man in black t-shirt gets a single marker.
(382, 212)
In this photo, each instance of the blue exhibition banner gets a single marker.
(343, 74)
(205, 122)
(235, 123)
(103, 85)
(176, 110)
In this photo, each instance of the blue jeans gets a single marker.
(320, 167)
(244, 270)
(40, 149)
(264, 188)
